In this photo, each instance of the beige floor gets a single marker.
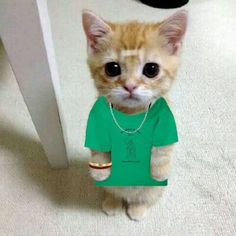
(201, 197)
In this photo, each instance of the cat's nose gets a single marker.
(130, 87)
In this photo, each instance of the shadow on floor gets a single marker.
(70, 187)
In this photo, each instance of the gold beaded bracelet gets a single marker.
(99, 165)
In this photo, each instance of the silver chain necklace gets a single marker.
(129, 132)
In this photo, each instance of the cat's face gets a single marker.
(133, 63)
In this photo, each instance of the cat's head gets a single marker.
(133, 63)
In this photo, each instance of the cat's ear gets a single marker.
(173, 30)
(96, 29)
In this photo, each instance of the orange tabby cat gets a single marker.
(133, 64)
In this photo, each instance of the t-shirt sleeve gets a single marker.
(165, 131)
(97, 134)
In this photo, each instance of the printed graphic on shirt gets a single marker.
(130, 147)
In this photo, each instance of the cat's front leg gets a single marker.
(100, 157)
(161, 162)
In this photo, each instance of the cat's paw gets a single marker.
(137, 211)
(112, 206)
(99, 174)
(160, 174)
(160, 177)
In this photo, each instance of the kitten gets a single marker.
(131, 45)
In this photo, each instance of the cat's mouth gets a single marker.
(131, 97)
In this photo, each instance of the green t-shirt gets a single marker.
(130, 153)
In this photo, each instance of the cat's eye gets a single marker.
(151, 69)
(112, 69)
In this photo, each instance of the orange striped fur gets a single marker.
(134, 36)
